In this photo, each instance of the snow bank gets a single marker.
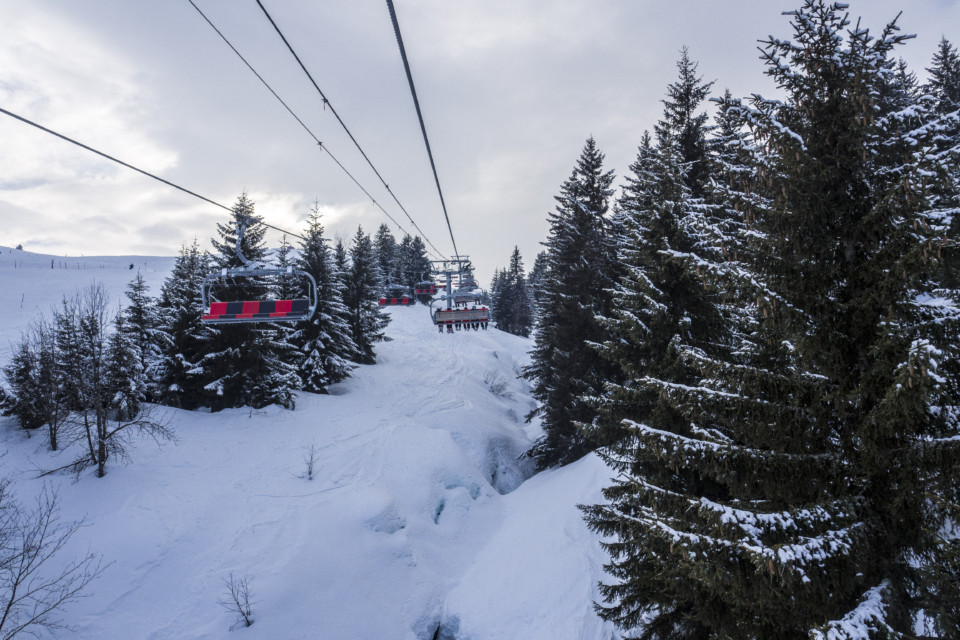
(420, 515)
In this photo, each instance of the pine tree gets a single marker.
(498, 308)
(944, 86)
(660, 302)
(124, 371)
(564, 367)
(944, 83)
(404, 267)
(282, 336)
(809, 493)
(141, 322)
(182, 337)
(685, 127)
(898, 88)
(38, 389)
(325, 343)
(23, 376)
(366, 320)
(286, 286)
(535, 281)
(511, 303)
(341, 258)
(418, 262)
(385, 246)
(248, 365)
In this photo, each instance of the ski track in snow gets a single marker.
(416, 517)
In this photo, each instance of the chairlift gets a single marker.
(425, 288)
(474, 317)
(396, 295)
(465, 306)
(252, 311)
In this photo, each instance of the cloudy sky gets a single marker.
(510, 90)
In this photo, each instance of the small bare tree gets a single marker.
(310, 460)
(497, 384)
(237, 598)
(33, 584)
(112, 439)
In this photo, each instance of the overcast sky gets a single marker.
(510, 90)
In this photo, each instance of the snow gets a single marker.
(419, 515)
(863, 623)
(29, 287)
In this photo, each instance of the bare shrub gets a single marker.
(497, 384)
(310, 460)
(237, 598)
(34, 583)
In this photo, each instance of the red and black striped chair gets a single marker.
(258, 310)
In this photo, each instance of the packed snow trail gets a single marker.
(416, 519)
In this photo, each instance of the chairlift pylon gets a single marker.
(251, 311)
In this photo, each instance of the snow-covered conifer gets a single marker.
(944, 82)
(181, 379)
(535, 283)
(141, 321)
(247, 364)
(510, 298)
(124, 371)
(564, 367)
(325, 343)
(809, 495)
(361, 293)
(385, 246)
(686, 128)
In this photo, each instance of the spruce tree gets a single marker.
(419, 263)
(660, 302)
(404, 267)
(535, 281)
(498, 308)
(944, 82)
(141, 322)
(510, 298)
(944, 86)
(325, 343)
(286, 286)
(564, 367)
(181, 378)
(124, 371)
(361, 293)
(341, 260)
(247, 364)
(810, 493)
(386, 247)
(685, 127)
(23, 375)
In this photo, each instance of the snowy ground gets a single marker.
(420, 517)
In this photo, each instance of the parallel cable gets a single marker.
(423, 128)
(109, 157)
(297, 118)
(327, 103)
(138, 170)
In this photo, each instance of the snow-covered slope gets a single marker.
(420, 516)
(31, 283)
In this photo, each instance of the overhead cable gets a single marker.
(327, 103)
(423, 129)
(297, 118)
(138, 170)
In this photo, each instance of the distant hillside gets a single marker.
(34, 282)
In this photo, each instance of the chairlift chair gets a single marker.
(396, 295)
(252, 311)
